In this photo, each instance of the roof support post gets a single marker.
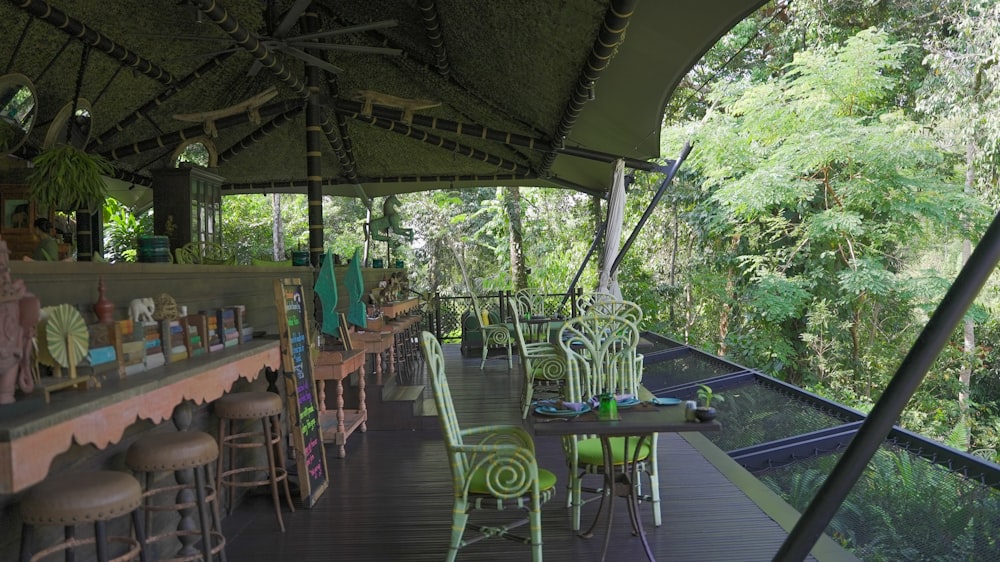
(314, 154)
(898, 392)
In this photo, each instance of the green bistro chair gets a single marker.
(601, 357)
(497, 470)
(543, 362)
(493, 334)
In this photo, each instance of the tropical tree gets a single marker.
(805, 210)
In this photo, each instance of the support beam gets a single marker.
(649, 209)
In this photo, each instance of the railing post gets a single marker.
(437, 316)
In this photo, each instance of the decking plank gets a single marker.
(389, 499)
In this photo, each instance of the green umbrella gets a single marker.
(326, 289)
(356, 313)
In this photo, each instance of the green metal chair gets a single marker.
(497, 470)
(494, 334)
(533, 304)
(544, 364)
(601, 357)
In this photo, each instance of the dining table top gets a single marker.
(643, 418)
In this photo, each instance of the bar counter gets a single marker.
(33, 433)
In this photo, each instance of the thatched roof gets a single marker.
(511, 74)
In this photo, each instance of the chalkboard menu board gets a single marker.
(296, 359)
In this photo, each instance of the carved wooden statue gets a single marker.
(19, 313)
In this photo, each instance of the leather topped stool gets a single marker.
(184, 453)
(263, 406)
(73, 499)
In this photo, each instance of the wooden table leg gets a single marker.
(362, 408)
(341, 430)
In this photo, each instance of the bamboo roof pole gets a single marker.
(446, 144)
(177, 137)
(495, 135)
(612, 32)
(89, 36)
(249, 42)
(208, 66)
(432, 30)
(299, 186)
(259, 133)
(314, 151)
(347, 164)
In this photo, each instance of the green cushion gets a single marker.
(477, 484)
(589, 450)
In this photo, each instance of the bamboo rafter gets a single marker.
(432, 29)
(249, 43)
(163, 96)
(300, 185)
(612, 32)
(177, 137)
(89, 36)
(258, 134)
(446, 144)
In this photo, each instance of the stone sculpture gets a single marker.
(389, 221)
(141, 310)
(19, 313)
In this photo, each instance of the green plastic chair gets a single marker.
(494, 335)
(497, 470)
(601, 357)
(543, 362)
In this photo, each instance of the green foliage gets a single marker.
(122, 229)
(705, 396)
(67, 178)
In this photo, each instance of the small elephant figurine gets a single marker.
(141, 310)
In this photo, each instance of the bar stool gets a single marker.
(263, 406)
(73, 499)
(180, 452)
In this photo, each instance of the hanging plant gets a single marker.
(66, 178)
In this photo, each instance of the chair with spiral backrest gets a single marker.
(494, 334)
(601, 358)
(544, 364)
(492, 467)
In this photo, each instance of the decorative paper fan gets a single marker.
(65, 328)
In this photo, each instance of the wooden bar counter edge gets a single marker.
(32, 433)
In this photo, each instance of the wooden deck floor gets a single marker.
(389, 499)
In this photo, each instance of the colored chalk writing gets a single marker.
(303, 411)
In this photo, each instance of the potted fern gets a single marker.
(66, 178)
(705, 411)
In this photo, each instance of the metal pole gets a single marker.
(649, 209)
(879, 422)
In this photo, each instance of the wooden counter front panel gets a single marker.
(32, 443)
